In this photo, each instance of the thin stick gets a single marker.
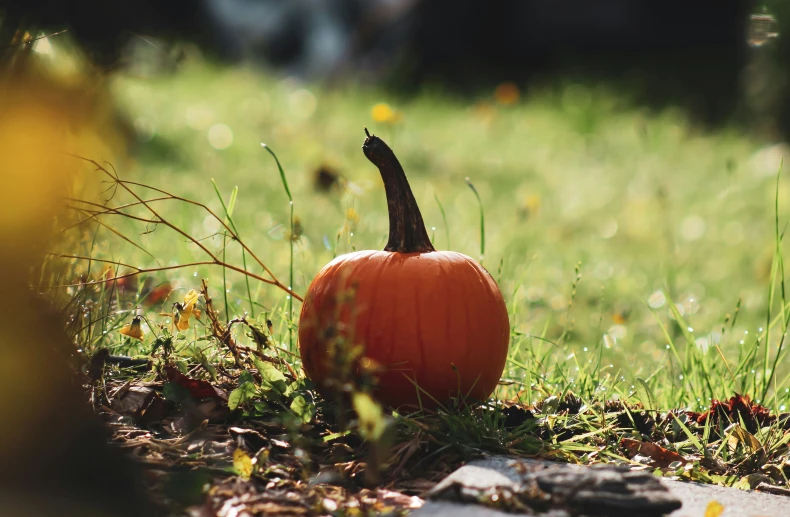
(94, 259)
(158, 219)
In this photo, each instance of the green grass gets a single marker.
(650, 208)
(640, 257)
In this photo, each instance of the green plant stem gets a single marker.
(482, 221)
(778, 269)
(291, 263)
(229, 216)
(225, 279)
(444, 218)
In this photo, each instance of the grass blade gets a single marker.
(482, 221)
(444, 218)
(229, 220)
(291, 262)
(778, 269)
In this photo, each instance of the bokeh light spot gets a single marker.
(220, 136)
(303, 103)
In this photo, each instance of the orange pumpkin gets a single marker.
(427, 318)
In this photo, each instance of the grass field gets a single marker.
(598, 216)
(639, 255)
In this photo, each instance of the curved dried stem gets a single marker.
(95, 210)
(116, 232)
(93, 259)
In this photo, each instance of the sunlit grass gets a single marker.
(623, 240)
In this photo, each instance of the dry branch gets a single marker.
(95, 210)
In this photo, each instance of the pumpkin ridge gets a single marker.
(449, 315)
(469, 344)
(477, 268)
(420, 341)
(390, 326)
(348, 278)
(373, 297)
(483, 276)
(486, 279)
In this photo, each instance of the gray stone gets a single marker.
(606, 490)
(521, 487)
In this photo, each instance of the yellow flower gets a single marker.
(507, 94)
(134, 329)
(183, 311)
(383, 113)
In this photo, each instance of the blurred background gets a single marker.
(697, 55)
(626, 153)
(637, 142)
(640, 140)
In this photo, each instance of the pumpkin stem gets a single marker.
(407, 230)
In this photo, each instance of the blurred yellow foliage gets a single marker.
(42, 122)
(714, 509)
(44, 119)
(352, 215)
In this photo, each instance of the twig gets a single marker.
(147, 270)
(158, 219)
(771, 489)
(222, 333)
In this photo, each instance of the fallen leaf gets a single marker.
(280, 443)
(661, 457)
(197, 388)
(737, 434)
(772, 489)
(371, 417)
(155, 412)
(396, 498)
(251, 438)
(738, 408)
(242, 464)
(213, 410)
(133, 400)
(751, 481)
(714, 509)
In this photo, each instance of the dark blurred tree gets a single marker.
(669, 51)
(689, 53)
(102, 28)
(767, 79)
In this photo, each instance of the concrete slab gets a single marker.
(501, 472)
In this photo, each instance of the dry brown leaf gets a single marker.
(737, 434)
(661, 457)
